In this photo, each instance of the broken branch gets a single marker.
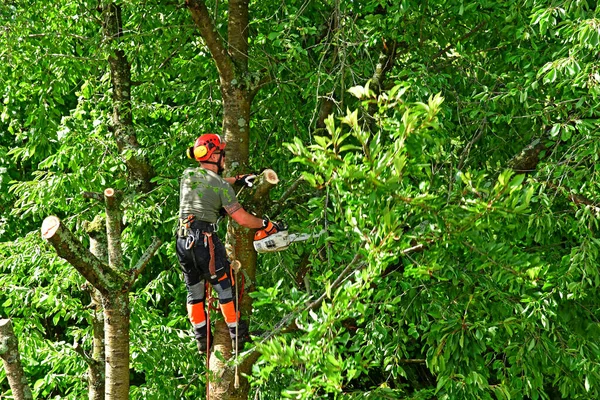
(68, 247)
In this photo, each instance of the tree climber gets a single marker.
(203, 194)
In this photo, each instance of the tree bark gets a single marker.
(116, 328)
(385, 62)
(237, 93)
(111, 281)
(114, 216)
(70, 248)
(528, 159)
(9, 352)
(140, 171)
(96, 363)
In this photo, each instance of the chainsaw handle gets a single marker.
(270, 228)
(281, 226)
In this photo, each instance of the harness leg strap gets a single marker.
(211, 249)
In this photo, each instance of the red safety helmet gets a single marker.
(205, 146)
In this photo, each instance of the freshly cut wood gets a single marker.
(265, 182)
(50, 226)
(270, 176)
(70, 248)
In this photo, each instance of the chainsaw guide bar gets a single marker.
(281, 240)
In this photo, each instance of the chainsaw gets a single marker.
(281, 240)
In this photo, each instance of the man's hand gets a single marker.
(270, 227)
(246, 180)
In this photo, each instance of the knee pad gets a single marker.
(196, 292)
(224, 291)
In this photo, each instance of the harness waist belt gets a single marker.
(190, 222)
(203, 226)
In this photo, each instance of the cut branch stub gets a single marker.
(270, 176)
(112, 201)
(109, 192)
(266, 181)
(49, 227)
(68, 247)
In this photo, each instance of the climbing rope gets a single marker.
(235, 265)
(209, 300)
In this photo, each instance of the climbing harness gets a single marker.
(192, 237)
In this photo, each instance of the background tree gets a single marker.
(11, 360)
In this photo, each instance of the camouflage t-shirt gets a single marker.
(203, 193)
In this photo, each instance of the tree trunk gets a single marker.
(111, 282)
(140, 171)
(96, 364)
(236, 126)
(116, 329)
(9, 351)
(221, 378)
(231, 59)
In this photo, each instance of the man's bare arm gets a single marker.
(243, 217)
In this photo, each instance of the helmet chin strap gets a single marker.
(220, 169)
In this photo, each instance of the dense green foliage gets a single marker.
(465, 273)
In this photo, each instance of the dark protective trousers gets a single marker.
(194, 259)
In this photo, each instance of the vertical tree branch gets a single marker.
(9, 352)
(385, 62)
(206, 26)
(96, 363)
(122, 122)
(113, 228)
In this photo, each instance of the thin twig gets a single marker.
(464, 37)
(186, 387)
(94, 196)
(284, 322)
(144, 259)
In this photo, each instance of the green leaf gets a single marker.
(358, 91)
(550, 77)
